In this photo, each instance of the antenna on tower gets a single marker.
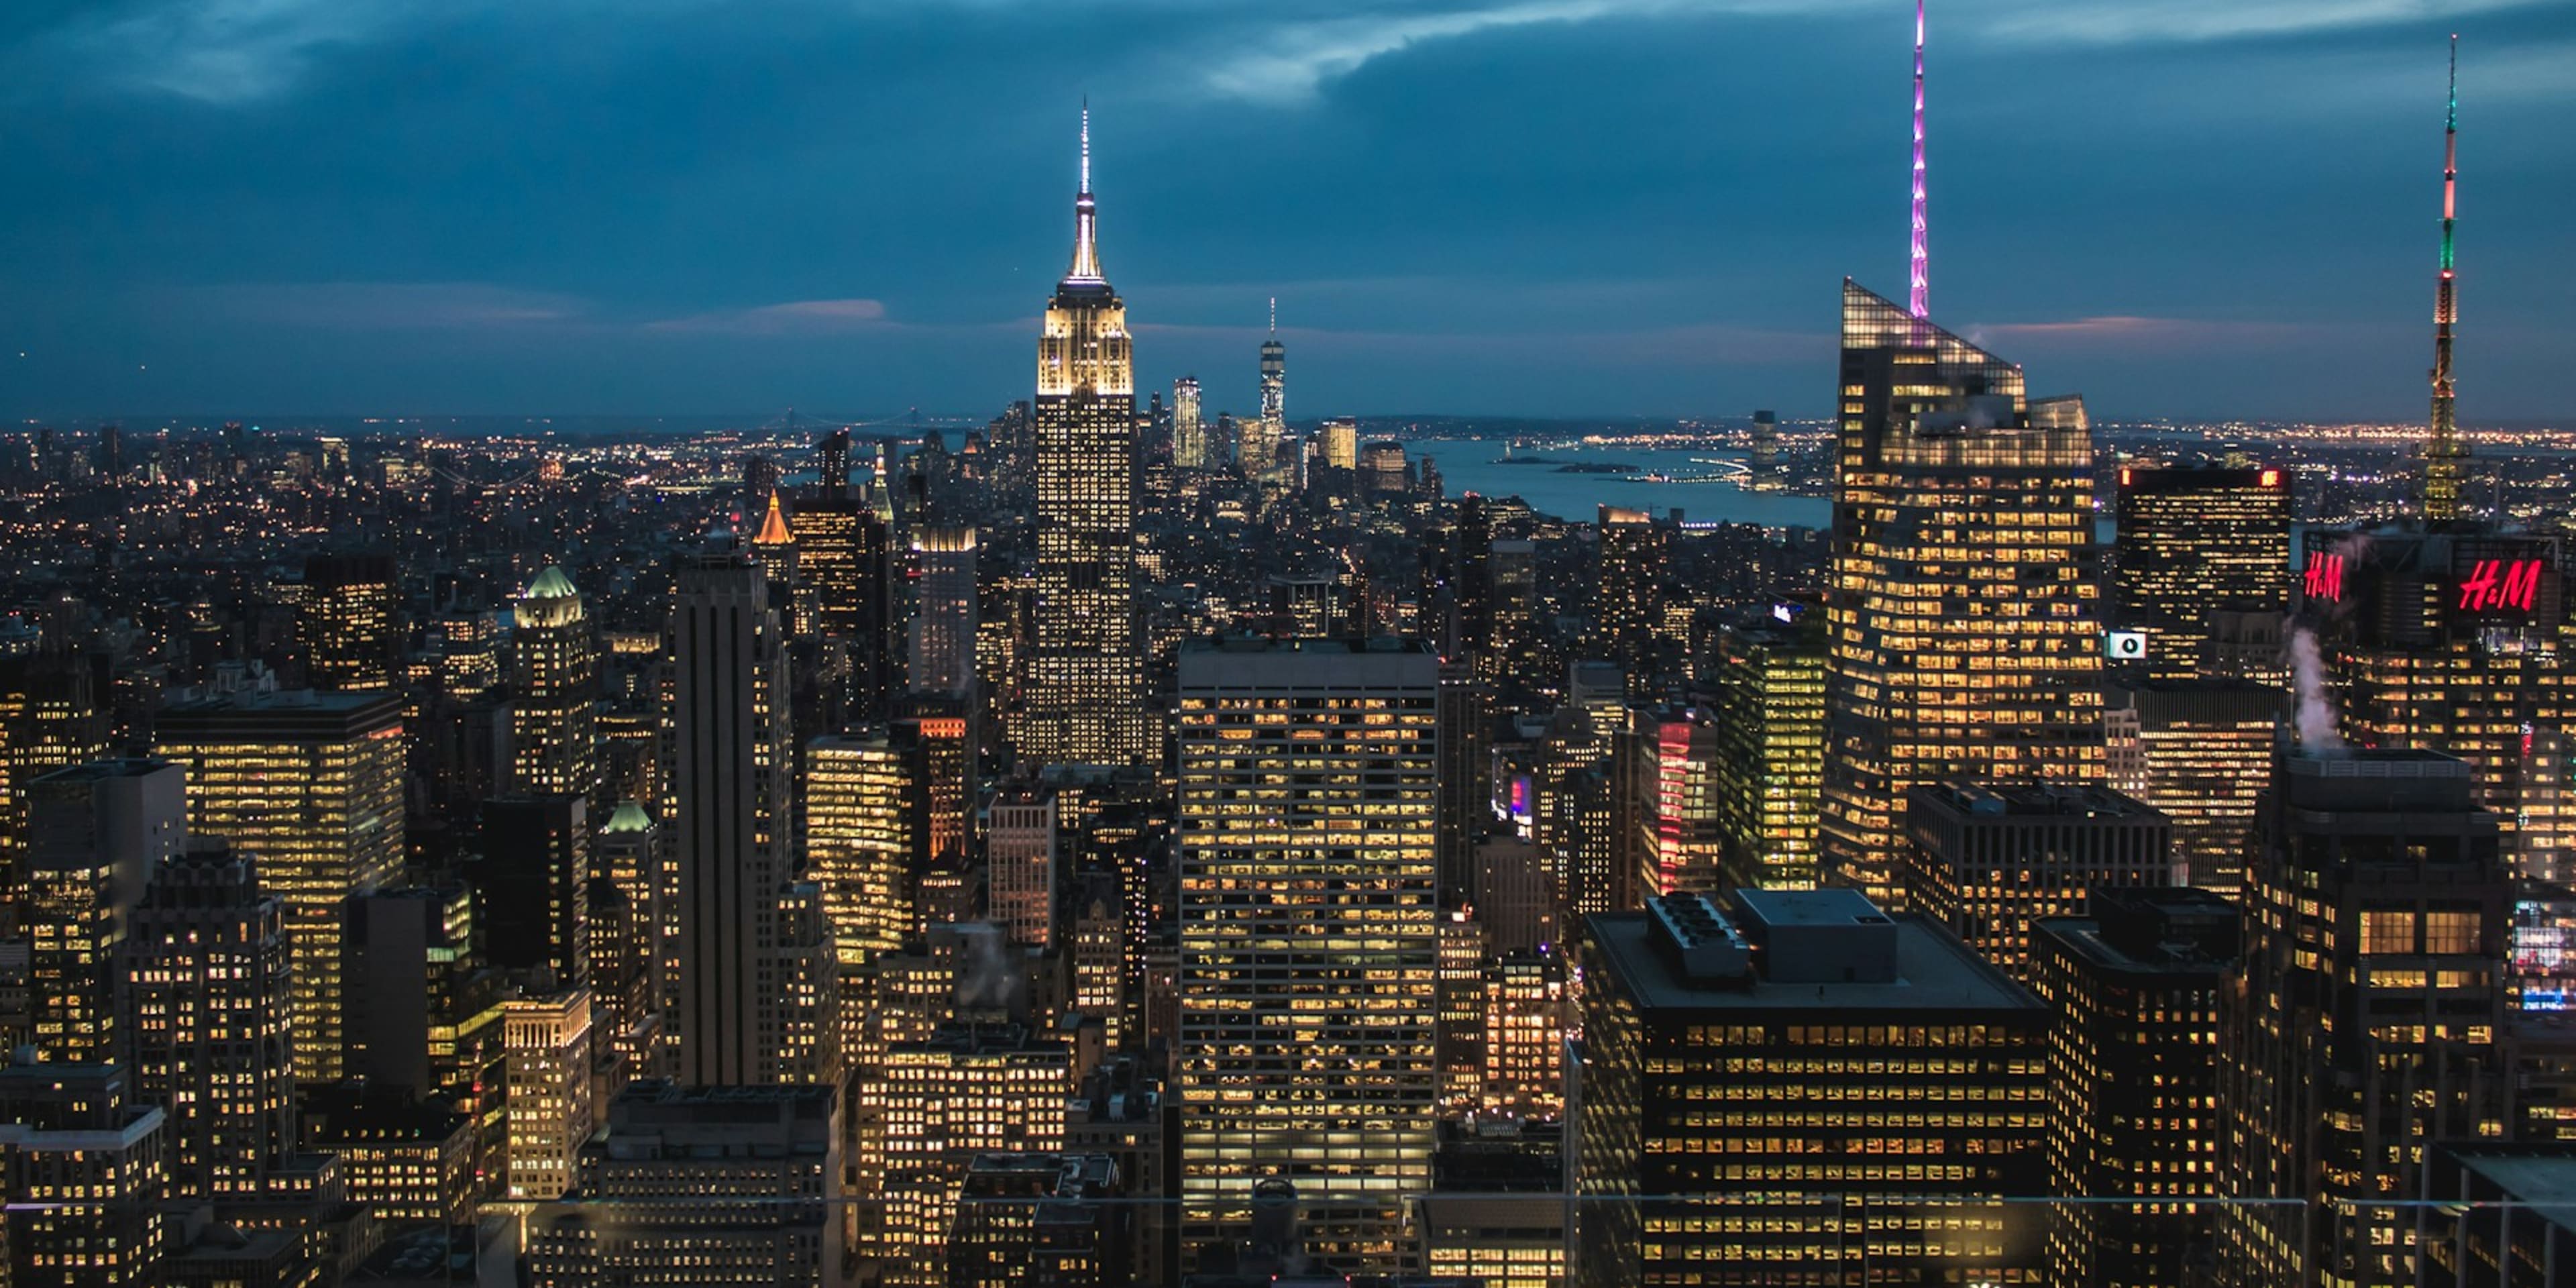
(1919, 296)
(1274, 315)
(2443, 450)
(1086, 143)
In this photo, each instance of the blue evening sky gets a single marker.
(2176, 207)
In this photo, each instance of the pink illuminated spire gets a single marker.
(1919, 300)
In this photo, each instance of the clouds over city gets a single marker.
(1500, 205)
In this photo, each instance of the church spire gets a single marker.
(1086, 233)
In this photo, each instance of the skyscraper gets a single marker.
(760, 1166)
(1964, 614)
(2453, 639)
(1986, 858)
(730, 829)
(207, 1018)
(1627, 598)
(311, 785)
(2195, 540)
(1770, 718)
(2133, 1080)
(1262, 463)
(1309, 943)
(350, 622)
(943, 615)
(548, 1043)
(533, 882)
(863, 842)
(1191, 448)
(96, 835)
(1086, 674)
(2202, 755)
(2365, 1029)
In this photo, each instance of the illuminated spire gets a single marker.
(2443, 450)
(1919, 299)
(1086, 232)
(1274, 315)
(773, 528)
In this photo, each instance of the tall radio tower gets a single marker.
(2444, 453)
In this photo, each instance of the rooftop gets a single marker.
(2035, 800)
(1934, 971)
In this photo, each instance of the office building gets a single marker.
(350, 622)
(1309, 939)
(1682, 844)
(967, 1090)
(1084, 692)
(1020, 852)
(2453, 640)
(1963, 606)
(1384, 476)
(403, 1160)
(749, 945)
(554, 737)
(96, 835)
(1192, 448)
(2502, 1219)
(311, 784)
(82, 1170)
(208, 1019)
(1466, 777)
(1032, 1220)
(2200, 752)
(532, 882)
(939, 734)
(1627, 592)
(1985, 859)
(2133, 1080)
(2365, 1030)
(943, 612)
(1493, 1239)
(862, 839)
(1732, 1056)
(2193, 540)
(773, 547)
(1769, 714)
(625, 921)
(548, 1041)
(1523, 1028)
(1261, 456)
(50, 718)
(431, 1024)
(728, 1187)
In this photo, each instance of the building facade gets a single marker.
(1309, 942)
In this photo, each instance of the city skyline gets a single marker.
(2263, 209)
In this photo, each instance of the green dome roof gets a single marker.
(552, 584)
(627, 817)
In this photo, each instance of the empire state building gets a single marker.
(1086, 675)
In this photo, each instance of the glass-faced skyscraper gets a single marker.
(1964, 614)
(1086, 675)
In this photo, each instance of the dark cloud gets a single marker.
(2178, 206)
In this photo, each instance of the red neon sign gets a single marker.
(2325, 578)
(2271, 478)
(2501, 583)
